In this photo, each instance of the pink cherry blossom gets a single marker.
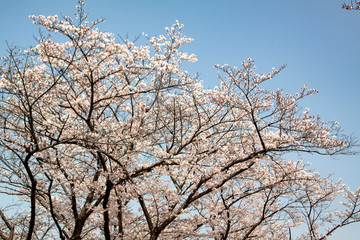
(103, 139)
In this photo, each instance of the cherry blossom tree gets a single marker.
(352, 6)
(103, 139)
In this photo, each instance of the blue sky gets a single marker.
(317, 40)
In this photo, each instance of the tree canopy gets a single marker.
(104, 139)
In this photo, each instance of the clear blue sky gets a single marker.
(319, 42)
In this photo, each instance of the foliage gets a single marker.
(351, 6)
(103, 139)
